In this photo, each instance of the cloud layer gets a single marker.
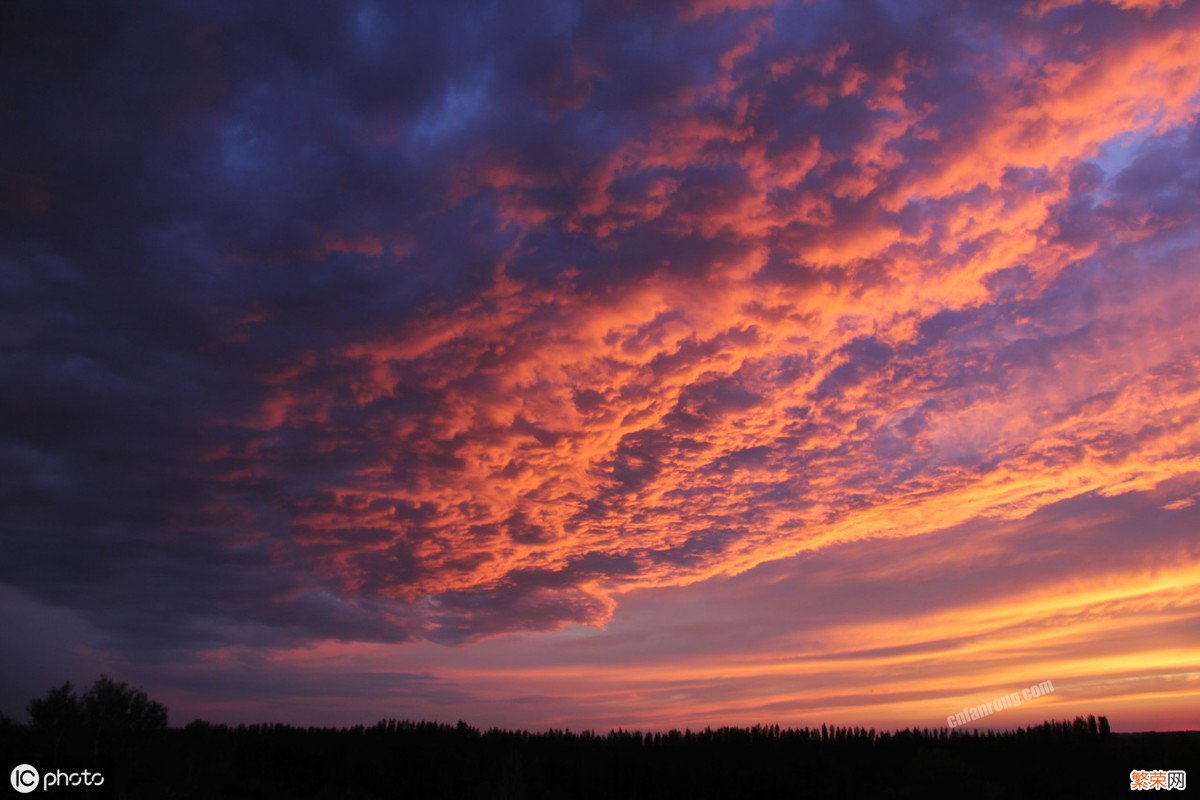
(369, 325)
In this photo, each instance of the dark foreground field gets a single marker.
(425, 760)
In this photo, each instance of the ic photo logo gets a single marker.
(24, 778)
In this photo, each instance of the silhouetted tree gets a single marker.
(58, 715)
(115, 708)
(109, 721)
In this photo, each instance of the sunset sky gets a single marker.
(609, 364)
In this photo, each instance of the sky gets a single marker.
(594, 365)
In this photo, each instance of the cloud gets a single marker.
(436, 324)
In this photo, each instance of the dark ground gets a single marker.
(427, 760)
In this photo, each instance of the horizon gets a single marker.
(1097, 724)
(640, 365)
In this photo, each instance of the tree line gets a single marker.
(119, 731)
